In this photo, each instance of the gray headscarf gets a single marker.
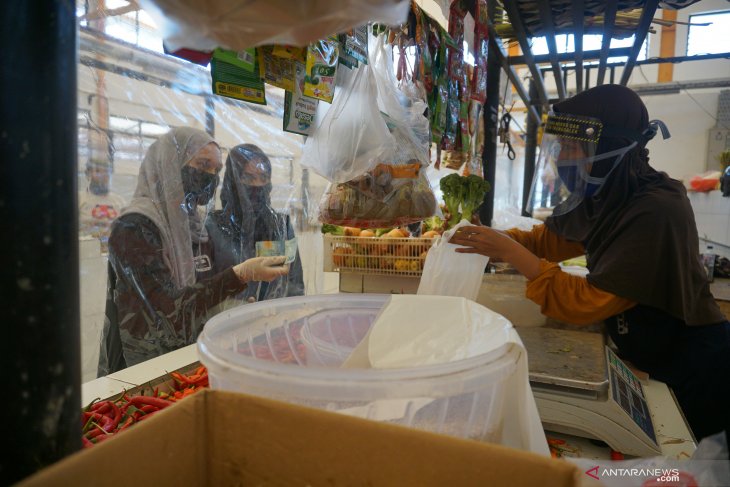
(159, 196)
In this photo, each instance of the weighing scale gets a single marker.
(583, 389)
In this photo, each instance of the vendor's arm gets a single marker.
(572, 299)
(561, 296)
(546, 244)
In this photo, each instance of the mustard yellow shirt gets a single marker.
(563, 296)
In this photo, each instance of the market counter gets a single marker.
(673, 437)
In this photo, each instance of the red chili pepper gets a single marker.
(102, 407)
(104, 421)
(86, 442)
(129, 421)
(117, 417)
(154, 401)
(93, 433)
(148, 408)
(615, 455)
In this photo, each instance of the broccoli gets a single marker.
(432, 223)
(333, 229)
(453, 192)
(463, 193)
(474, 190)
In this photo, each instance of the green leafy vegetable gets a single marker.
(333, 229)
(462, 196)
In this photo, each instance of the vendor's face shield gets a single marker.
(568, 169)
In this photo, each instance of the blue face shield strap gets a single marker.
(642, 138)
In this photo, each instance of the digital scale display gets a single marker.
(628, 393)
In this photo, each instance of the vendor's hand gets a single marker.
(497, 245)
(261, 269)
(484, 241)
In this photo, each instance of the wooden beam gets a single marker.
(519, 29)
(546, 16)
(578, 28)
(667, 44)
(512, 75)
(644, 22)
(570, 56)
(609, 20)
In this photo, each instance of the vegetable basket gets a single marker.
(375, 255)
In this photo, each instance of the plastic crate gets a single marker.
(375, 255)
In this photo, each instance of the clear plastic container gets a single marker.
(291, 349)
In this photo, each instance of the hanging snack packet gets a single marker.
(290, 52)
(344, 57)
(481, 39)
(299, 110)
(274, 70)
(355, 43)
(322, 58)
(440, 100)
(232, 79)
(245, 59)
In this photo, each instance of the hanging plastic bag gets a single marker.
(396, 191)
(352, 137)
(447, 273)
(237, 25)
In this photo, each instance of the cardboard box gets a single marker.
(217, 438)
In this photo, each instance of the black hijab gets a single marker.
(246, 207)
(639, 231)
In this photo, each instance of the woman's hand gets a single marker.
(496, 245)
(261, 269)
(484, 241)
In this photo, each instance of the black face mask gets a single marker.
(199, 186)
(257, 195)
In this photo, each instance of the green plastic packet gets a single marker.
(232, 80)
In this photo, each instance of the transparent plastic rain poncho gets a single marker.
(130, 97)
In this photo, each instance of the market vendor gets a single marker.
(637, 230)
(161, 280)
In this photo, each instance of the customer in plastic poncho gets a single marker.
(248, 226)
(161, 279)
(637, 230)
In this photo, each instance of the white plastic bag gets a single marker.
(352, 137)
(239, 25)
(413, 331)
(446, 273)
(511, 218)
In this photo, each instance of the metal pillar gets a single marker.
(491, 122)
(39, 284)
(530, 152)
